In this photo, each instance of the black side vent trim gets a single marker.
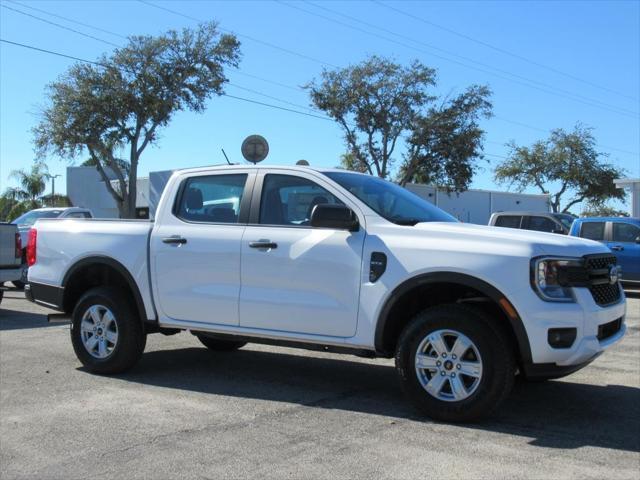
(377, 266)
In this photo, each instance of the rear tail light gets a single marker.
(31, 247)
(18, 253)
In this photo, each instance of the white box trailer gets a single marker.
(476, 206)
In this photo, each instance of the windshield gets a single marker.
(565, 219)
(389, 200)
(30, 218)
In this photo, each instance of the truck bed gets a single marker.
(63, 243)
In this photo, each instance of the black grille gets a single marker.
(607, 330)
(603, 292)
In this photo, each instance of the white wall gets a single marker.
(86, 189)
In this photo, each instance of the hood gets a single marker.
(538, 243)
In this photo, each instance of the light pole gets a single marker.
(53, 187)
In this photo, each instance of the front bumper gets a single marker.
(549, 371)
(585, 316)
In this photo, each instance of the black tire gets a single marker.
(1, 295)
(493, 345)
(131, 337)
(219, 345)
(18, 284)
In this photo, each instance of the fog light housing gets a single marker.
(562, 337)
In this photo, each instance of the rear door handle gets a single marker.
(174, 240)
(267, 244)
(617, 248)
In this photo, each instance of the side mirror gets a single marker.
(638, 239)
(338, 217)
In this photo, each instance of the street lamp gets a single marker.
(53, 187)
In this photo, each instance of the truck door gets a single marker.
(195, 249)
(296, 278)
(624, 242)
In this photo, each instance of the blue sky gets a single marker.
(549, 64)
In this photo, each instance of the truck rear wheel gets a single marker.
(106, 334)
(454, 363)
(220, 345)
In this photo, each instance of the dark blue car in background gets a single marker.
(621, 235)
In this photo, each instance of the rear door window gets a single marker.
(542, 224)
(592, 230)
(212, 198)
(509, 221)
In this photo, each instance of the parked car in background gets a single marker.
(537, 221)
(336, 261)
(621, 235)
(26, 221)
(10, 255)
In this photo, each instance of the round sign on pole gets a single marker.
(255, 148)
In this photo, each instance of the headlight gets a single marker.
(551, 277)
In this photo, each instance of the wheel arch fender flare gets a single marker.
(119, 268)
(462, 279)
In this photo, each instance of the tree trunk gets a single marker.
(133, 189)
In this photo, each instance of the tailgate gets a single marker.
(8, 252)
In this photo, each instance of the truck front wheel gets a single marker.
(106, 334)
(454, 363)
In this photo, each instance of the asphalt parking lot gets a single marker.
(270, 412)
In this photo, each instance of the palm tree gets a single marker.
(27, 196)
(32, 183)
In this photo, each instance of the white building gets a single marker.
(632, 184)
(86, 189)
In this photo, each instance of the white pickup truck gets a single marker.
(337, 261)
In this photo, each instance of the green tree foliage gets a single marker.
(602, 210)
(348, 161)
(566, 164)
(120, 104)
(380, 104)
(8, 202)
(28, 194)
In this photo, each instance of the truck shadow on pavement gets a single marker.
(554, 414)
(16, 320)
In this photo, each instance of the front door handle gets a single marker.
(174, 240)
(267, 244)
(617, 248)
